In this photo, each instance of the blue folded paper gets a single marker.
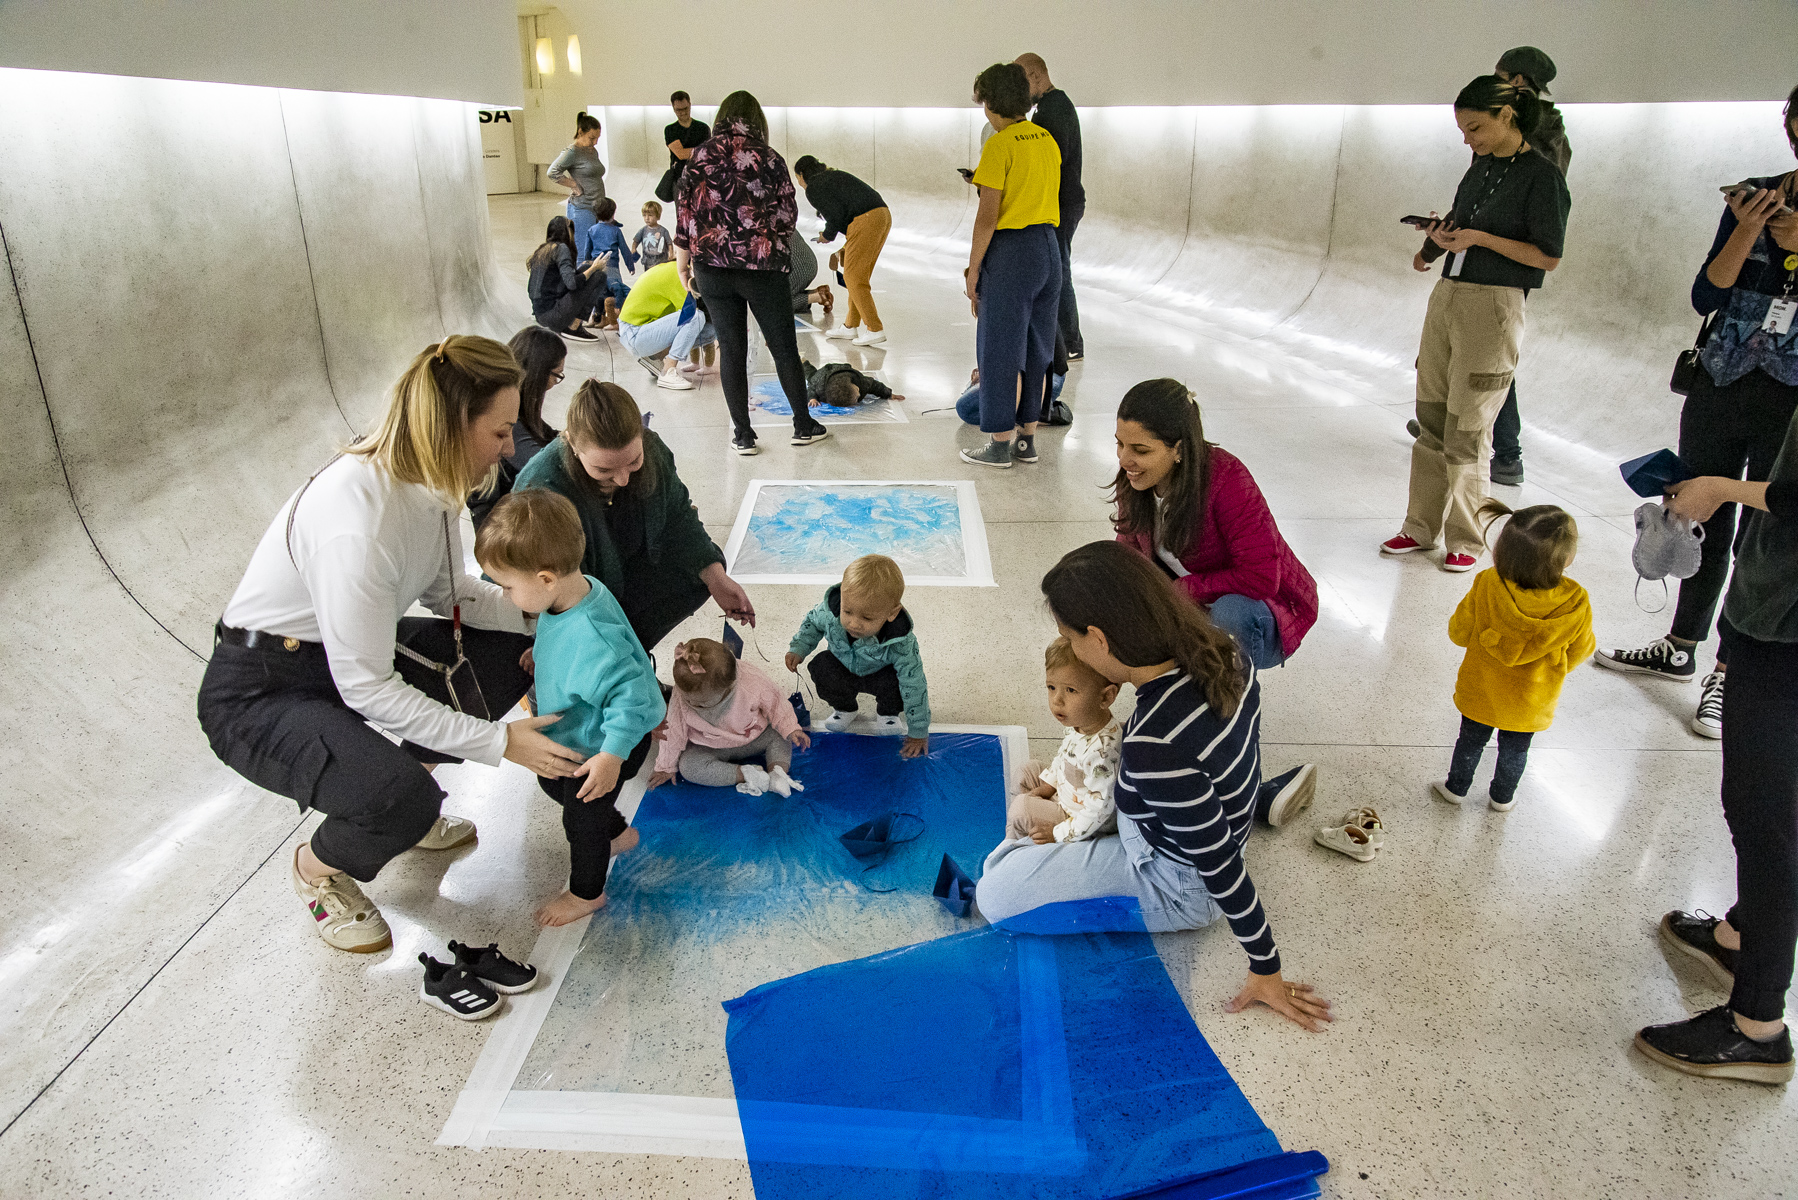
(954, 888)
(687, 309)
(872, 841)
(733, 641)
(1650, 475)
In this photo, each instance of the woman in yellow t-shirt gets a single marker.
(1014, 267)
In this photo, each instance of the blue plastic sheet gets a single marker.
(995, 1064)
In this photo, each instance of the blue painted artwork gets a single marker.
(818, 529)
(767, 399)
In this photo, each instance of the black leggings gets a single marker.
(1723, 430)
(590, 825)
(274, 716)
(1513, 756)
(1760, 803)
(576, 305)
(840, 687)
(731, 295)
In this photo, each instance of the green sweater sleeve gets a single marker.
(814, 629)
(908, 664)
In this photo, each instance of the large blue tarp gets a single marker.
(994, 1063)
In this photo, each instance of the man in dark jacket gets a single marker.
(1055, 113)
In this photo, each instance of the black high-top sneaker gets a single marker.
(494, 969)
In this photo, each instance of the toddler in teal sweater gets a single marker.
(869, 647)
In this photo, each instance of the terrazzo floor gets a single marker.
(1488, 969)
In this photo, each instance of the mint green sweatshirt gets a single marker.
(592, 670)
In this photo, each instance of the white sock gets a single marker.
(778, 783)
(755, 780)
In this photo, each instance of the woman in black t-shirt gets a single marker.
(1503, 235)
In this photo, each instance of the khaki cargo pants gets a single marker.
(1471, 337)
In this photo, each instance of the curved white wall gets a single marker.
(209, 288)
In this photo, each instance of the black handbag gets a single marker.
(670, 178)
(1686, 366)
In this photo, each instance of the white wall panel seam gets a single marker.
(324, 349)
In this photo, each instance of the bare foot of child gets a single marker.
(567, 907)
(626, 841)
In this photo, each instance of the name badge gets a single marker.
(1454, 264)
(1779, 316)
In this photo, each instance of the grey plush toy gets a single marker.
(1666, 547)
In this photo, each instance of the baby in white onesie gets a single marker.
(1070, 799)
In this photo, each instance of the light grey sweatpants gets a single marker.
(716, 766)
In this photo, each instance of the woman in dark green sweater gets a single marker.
(645, 541)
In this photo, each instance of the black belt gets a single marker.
(255, 639)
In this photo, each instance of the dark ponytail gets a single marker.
(1491, 95)
(807, 166)
(1108, 586)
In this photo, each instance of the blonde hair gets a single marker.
(530, 531)
(1060, 656)
(701, 664)
(423, 437)
(1537, 543)
(875, 577)
(652, 209)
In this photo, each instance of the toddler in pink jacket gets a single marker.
(723, 715)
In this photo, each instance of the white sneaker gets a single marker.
(781, 783)
(343, 916)
(1708, 720)
(844, 333)
(1351, 840)
(447, 833)
(755, 780)
(672, 380)
(1440, 789)
(873, 337)
(838, 721)
(888, 725)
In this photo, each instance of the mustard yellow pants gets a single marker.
(861, 250)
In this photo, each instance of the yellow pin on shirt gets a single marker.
(1792, 262)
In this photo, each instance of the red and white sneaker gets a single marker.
(1401, 545)
(1459, 562)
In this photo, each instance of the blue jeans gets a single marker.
(666, 336)
(967, 405)
(1252, 624)
(583, 219)
(1513, 756)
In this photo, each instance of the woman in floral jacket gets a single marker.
(737, 212)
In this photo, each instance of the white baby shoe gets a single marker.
(838, 721)
(888, 725)
(755, 780)
(1351, 840)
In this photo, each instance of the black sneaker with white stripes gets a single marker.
(1708, 720)
(455, 991)
(1662, 658)
(494, 969)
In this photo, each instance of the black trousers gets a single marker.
(1507, 430)
(730, 296)
(1722, 431)
(1760, 803)
(1068, 318)
(839, 687)
(576, 305)
(590, 825)
(275, 717)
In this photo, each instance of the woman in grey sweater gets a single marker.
(579, 170)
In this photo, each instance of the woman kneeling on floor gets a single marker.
(309, 669)
(1188, 775)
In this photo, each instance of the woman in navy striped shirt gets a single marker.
(1187, 780)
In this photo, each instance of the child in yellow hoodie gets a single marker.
(1525, 626)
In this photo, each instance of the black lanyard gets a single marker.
(1489, 192)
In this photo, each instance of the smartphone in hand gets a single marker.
(966, 175)
(1742, 191)
(1423, 223)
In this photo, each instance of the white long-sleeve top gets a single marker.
(1083, 773)
(368, 547)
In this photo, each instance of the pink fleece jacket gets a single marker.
(1240, 552)
(755, 704)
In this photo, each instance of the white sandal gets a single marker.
(1351, 840)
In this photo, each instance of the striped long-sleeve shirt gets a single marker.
(1188, 778)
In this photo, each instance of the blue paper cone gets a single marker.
(1649, 475)
(871, 838)
(954, 888)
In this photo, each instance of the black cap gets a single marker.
(1530, 63)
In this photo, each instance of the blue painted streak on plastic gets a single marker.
(1289, 1176)
(809, 529)
(951, 1029)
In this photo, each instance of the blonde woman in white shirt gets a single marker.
(314, 657)
(1070, 799)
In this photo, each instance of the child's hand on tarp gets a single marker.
(914, 747)
(602, 775)
(801, 739)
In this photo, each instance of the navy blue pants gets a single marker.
(1020, 301)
